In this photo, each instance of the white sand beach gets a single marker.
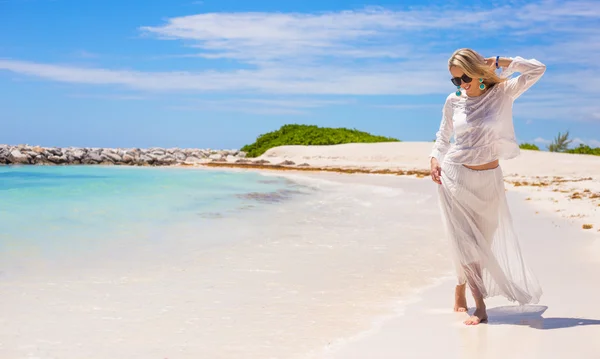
(566, 184)
(356, 267)
(555, 199)
(563, 325)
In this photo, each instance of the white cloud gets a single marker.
(373, 51)
(373, 32)
(308, 80)
(542, 140)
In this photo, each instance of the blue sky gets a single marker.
(218, 73)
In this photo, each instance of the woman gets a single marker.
(484, 245)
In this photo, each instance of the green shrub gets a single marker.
(584, 150)
(294, 134)
(529, 146)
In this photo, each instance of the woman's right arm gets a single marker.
(442, 142)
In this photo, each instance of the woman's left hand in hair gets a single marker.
(502, 62)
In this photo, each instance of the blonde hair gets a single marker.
(473, 64)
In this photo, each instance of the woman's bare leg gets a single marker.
(473, 272)
(460, 298)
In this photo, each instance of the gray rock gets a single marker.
(127, 158)
(17, 157)
(38, 149)
(41, 160)
(55, 151)
(165, 160)
(27, 154)
(145, 159)
(105, 159)
(78, 153)
(58, 159)
(4, 153)
(136, 153)
(112, 156)
(180, 156)
(92, 157)
(287, 163)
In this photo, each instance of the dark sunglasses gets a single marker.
(457, 80)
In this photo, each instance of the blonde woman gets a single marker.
(477, 220)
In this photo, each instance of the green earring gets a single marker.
(482, 85)
(458, 93)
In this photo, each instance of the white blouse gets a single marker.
(483, 125)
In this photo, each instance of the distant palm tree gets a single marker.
(560, 143)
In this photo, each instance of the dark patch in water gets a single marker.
(210, 215)
(270, 197)
(269, 181)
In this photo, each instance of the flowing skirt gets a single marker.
(484, 245)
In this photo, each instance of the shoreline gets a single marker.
(575, 197)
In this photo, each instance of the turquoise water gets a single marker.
(44, 208)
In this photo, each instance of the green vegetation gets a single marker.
(529, 146)
(560, 143)
(309, 135)
(585, 150)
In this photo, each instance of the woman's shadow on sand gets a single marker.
(531, 315)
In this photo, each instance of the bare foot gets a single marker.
(480, 316)
(460, 299)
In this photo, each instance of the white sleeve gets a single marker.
(530, 72)
(443, 135)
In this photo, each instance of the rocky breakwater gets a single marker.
(35, 155)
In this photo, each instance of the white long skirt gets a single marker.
(484, 245)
